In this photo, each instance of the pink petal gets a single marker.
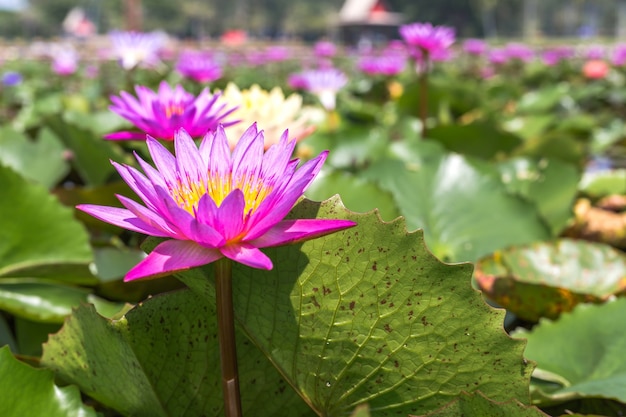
(122, 218)
(163, 159)
(172, 256)
(230, 214)
(277, 157)
(271, 212)
(188, 161)
(207, 212)
(149, 217)
(216, 152)
(138, 183)
(248, 153)
(125, 136)
(291, 231)
(248, 255)
(153, 175)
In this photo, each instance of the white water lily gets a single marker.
(271, 110)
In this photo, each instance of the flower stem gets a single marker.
(226, 337)
(423, 103)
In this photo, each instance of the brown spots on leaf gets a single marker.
(425, 321)
(352, 304)
(374, 266)
(326, 290)
(315, 303)
(388, 328)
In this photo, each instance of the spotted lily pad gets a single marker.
(477, 405)
(548, 278)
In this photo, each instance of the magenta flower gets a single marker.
(198, 66)
(475, 47)
(65, 62)
(324, 49)
(519, 51)
(214, 204)
(385, 64)
(162, 113)
(426, 37)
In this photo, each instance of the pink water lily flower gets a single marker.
(428, 38)
(214, 204)
(160, 114)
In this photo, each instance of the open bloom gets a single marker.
(215, 204)
(160, 114)
(270, 109)
(426, 37)
(198, 66)
(134, 49)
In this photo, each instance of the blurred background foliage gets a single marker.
(311, 19)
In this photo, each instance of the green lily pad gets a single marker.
(580, 355)
(465, 210)
(357, 193)
(552, 185)
(368, 315)
(46, 301)
(543, 100)
(602, 183)
(548, 278)
(350, 145)
(39, 236)
(40, 160)
(480, 139)
(165, 361)
(477, 405)
(91, 154)
(27, 391)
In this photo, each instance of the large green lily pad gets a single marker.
(39, 236)
(368, 315)
(162, 359)
(461, 204)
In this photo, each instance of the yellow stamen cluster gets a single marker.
(172, 109)
(187, 192)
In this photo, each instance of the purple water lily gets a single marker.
(160, 114)
(214, 204)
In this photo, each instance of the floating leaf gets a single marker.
(39, 236)
(357, 193)
(551, 185)
(368, 315)
(91, 154)
(462, 205)
(603, 183)
(481, 140)
(580, 355)
(27, 391)
(40, 160)
(548, 278)
(162, 359)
